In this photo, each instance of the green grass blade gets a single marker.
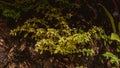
(110, 17)
(119, 26)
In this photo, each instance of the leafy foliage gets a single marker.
(115, 36)
(113, 58)
(11, 14)
(63, 40)
(57, 27)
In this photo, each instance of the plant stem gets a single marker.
(110, 17)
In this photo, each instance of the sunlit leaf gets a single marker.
(115, 36)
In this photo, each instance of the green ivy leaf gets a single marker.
(115, 36)
(113, 58)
